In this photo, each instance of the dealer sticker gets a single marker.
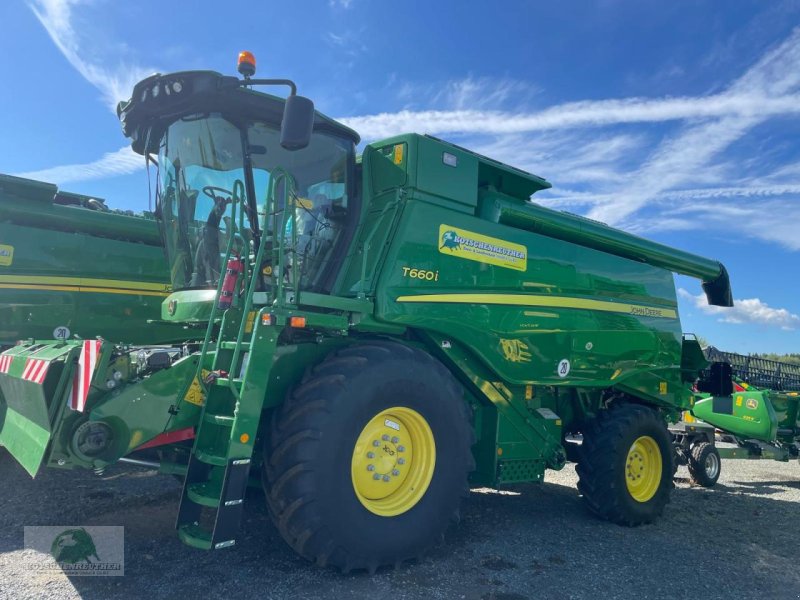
(482, 248)
(6, 255)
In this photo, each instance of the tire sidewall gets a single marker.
(405, 383)
(698, 471)
(648, 424)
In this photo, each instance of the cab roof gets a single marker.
(160, 100)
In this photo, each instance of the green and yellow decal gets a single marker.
(482, 248)
(6, 255)
(83, 284)
(637, 310)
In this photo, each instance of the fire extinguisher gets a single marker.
(232, 272)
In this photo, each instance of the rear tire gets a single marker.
(626, 465)
(328, 499)
(705, 464)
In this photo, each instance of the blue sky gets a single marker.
(677, 121)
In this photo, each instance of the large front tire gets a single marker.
(626, 465)
(369, 457)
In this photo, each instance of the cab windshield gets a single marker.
(202, 172)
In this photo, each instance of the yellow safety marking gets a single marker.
(397, 155)
(637, 310)
(251, 319)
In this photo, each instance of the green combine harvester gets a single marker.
(379, 333)
(759, 417)
(70, 266)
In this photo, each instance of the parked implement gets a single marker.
(759, 418)
(71, 266)
(381, 333)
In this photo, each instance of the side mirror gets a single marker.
(298, 122)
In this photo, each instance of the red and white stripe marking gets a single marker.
(5, 363)
(35, 370)
(83, 374)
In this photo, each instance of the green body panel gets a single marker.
(188, 306)
(526, 334)
(139, 413)
(747, 414)
(96, 273)
(787, 411)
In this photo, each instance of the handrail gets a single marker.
(251, 287)
(235, 199)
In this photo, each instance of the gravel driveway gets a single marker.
(535, 541)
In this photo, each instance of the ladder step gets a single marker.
(206, 493)
(224, 420)
(195, 536)
(224, 381)
(245, 346)
(210, 459)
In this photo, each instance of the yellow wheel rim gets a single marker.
(643, 468)
(393, 461)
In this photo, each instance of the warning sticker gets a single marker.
(194, 395)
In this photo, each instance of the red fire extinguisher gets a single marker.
(232, 272)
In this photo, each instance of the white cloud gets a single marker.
(746, 191)
(122, 162)
(680, 158)
(58, 18)
(572, 115)
(749, 310)
(608, 173)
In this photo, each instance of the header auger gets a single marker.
(376, 335)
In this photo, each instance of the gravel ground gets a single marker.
(535, 541)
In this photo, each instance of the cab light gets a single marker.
(266, 319)
(246, 65)
(298, 322)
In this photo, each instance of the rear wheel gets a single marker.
(368, 458)
(626, 465)
(705, 464)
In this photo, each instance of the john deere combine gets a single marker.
(378, 333)
(71, 266)
(756, 417)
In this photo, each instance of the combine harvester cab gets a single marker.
(379, 334)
